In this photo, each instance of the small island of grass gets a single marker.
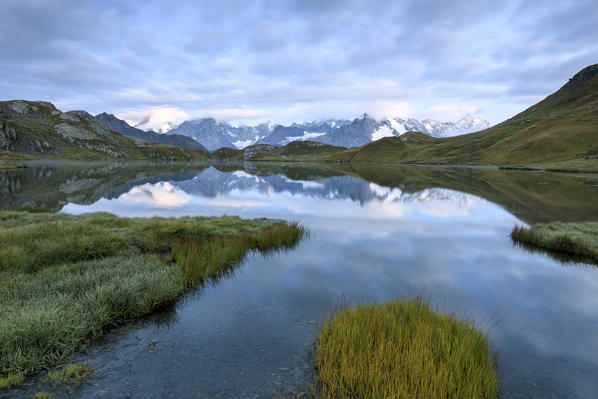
(64, 278)
(580, 239)
(402, 349)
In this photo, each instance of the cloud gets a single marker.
(293, 59)
(449, 112)
(154, 118)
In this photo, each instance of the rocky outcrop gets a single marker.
(38, 128)
(307, 143)
(8, 134)
(581, 78)
(253, 151)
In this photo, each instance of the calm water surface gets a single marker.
(375, 234)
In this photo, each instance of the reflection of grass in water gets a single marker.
(580, 239)
(216, 256)
(64, 278)
(401, 349)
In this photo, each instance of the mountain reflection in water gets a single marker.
(376, 232)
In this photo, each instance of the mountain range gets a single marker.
(213, 134)
(558, 133)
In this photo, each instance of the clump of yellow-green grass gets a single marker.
(64, 278)
(71, 375)
(402, 349)
(11, 380)
(579, 239)
(43, 395)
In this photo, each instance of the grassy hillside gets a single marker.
(294, 151)
(38, 129)
(557, 133)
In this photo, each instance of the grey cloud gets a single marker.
(270, 54)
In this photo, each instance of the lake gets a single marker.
(375, 232)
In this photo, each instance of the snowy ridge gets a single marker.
(214, 134)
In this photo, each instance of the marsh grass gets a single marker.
(580, 239)
(48, 315)
(43, 395)
(64, 279)
(217, 256)
(31, 241)
(401, 349)
(72, 375)
(11, 380)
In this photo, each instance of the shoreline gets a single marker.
(24, 163)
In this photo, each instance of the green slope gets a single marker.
(38, 129)
(294, 151)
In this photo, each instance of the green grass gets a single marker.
(402, 349)
(215, 257)
(11, 380)
(72, 375)
(43, 395)
(580, 239)
(64, 278)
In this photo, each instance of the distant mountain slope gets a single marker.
(177, 140)
(38, 128)
(207, 132)
(356, 133)
(558, 132)
(282, 135)
(213, 134)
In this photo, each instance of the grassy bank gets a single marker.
(579, 239)
(402, 349)
(64, 278)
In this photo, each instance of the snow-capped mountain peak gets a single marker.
(214, 134)
(471, 123)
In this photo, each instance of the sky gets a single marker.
(289, 61)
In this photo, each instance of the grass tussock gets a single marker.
(64, 279)
(43, 395)
(402, 349)
(11, 380)
(580, 239)
(72, 375)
